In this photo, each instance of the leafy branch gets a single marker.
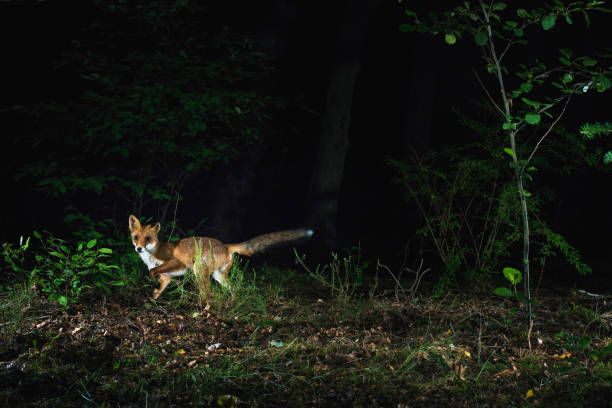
(495, 27)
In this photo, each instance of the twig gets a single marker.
(529, 335)
(547, 132)
(488, 94)
(174, 218)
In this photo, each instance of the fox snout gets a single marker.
(139, 249)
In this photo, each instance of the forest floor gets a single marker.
(280, 340)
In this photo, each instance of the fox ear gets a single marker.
(134, 223)
(156, 227)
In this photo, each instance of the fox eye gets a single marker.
(147, 239)
(135, 237)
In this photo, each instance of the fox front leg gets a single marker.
(164, 274)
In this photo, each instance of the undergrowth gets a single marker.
(262, 343)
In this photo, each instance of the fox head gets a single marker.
(144, 238)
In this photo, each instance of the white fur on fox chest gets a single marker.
(148, 259)
(151, 262)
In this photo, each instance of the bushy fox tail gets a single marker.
(266, 241)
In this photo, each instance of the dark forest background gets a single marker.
(233, 119)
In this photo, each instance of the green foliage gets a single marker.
(571, 342)
(593, 130)
(574, 74)
(467, 197)
(468, 208)
(62, 272)
(15, 257)
(15, 299)
(496, 30)
(162, 100)
(343, 276)
(514, 276)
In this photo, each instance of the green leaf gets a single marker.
(566, 51)
(518, 32)
(481, 38)
(602, 83)
(510, 152)
(568, 19)
(527, 87)
(522, 13)
(92, 243)
(513, 275)
(589, 62)
(62, 300)
(565, 61)
(498, 6)
(503, 292)
(57, 254)
(532, 118)
(105, 250)
(275, 343)
(450, 39)
(404, 28)
(534, 104)
(37, 234)
(584, 342)
(548, 22)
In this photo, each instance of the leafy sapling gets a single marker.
(542, 90)
(514, 276)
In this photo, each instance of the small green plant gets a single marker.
(14, 301)
(63, 273)
(202, 279)
(514, 276)
(343, 275)
(403, 294)
(244, 298)
(577, 344)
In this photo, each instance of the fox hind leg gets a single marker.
(220, 275)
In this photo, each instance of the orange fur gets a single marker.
(166, 260)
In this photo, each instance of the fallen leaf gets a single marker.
(228, 401)
(213, 346)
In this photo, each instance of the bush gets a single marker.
(62, 272)
(471, 212)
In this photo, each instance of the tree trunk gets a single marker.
(334, 140)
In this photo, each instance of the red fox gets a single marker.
(167, 260)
